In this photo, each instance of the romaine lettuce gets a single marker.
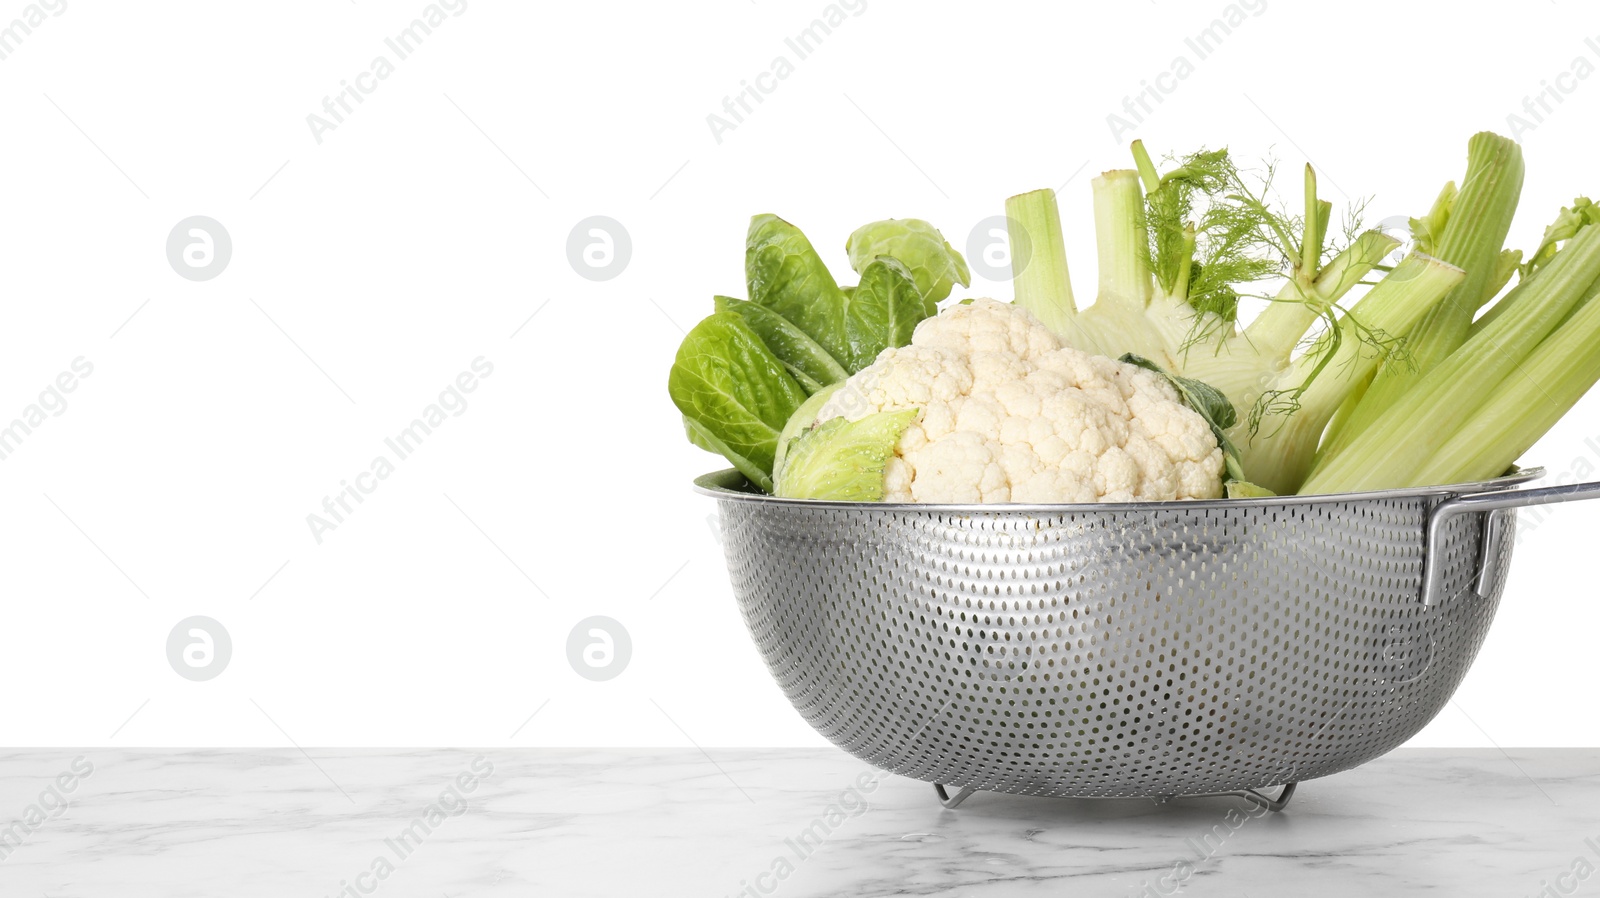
(734, 394)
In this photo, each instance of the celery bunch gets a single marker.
(1509, 378)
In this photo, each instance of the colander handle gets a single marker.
(1450, 509)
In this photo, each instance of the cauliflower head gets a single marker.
(1008, 414)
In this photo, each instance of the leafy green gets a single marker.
(735, 395)
(805, 359)
(935, 266)
(1581, 213)
(787, 277)
(885, 305)
(1209, 403)
(701, 436)
(843, 460)
(742, 373)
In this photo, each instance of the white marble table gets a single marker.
(670, 822)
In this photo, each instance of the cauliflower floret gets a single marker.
(985, 326)
(1008, 414)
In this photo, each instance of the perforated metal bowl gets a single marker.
(1151, 649)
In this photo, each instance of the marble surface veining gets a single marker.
(754, 823)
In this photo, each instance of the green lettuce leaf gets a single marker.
(934, 264)
(850, 324)
(806, 360)
(843, 460)
(787, 276)
(885, 307)
(735, 395)
(742, 373)
(752, 470)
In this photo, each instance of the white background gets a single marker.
(426, 229)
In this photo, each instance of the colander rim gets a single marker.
(725, 485)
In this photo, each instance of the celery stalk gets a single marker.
(1508, 263)
(1524, 407)
(1393, 450)
(1511, 298)
(1042, 283)
(1280, 454)
(1479, 217)
(1510, 259)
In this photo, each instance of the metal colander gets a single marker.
(1123, 650)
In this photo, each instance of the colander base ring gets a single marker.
(1255, 797)
(1251, 795)
(953, 803)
